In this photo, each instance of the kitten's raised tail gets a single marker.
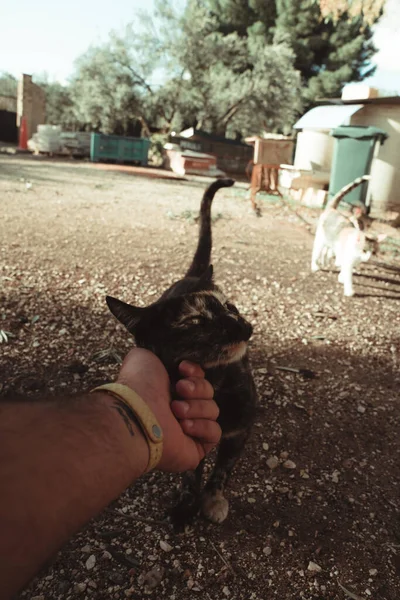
(202, 257)
(334, 203)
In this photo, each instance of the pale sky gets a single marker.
(48, 35)
(39, 36)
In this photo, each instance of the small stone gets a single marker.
(41, 597)
(86, 549)
(251, 500)
(265, 446)
(361, 409)
(289, 464)
(154, 577)
(79, 588)
(267, 551)
(63, 586)
(116, 578)
(284, 455)
(129, 592)
(313, 567)
(371, 572)
(304, 474)
(335, 476)
(272, 462)
(226, 591)
(91, 561)
(165, 546)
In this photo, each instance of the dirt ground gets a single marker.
(328, 527)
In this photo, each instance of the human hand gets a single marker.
(188, 440)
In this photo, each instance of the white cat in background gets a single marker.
(342, 237)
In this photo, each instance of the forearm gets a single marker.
(60, 465)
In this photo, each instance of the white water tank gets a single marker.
(314, 150)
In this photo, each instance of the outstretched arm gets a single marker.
(62, 462)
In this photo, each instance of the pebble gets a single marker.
(153, 578)
(165, 546)
(289, 464)
(41, 597)
(91, 561)
(361, 409)
(267, 551)
(272, 462)
(335, 476)
(251, 500)
(265, 446)
(79, 588)
(371, 572)
(313, 567)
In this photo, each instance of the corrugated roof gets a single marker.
(326, 118)
(381, 100)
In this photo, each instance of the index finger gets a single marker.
(189, 369)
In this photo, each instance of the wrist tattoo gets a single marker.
(126, 413)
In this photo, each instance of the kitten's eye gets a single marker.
(193, 321)
(232, 308)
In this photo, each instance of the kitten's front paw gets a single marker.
(314, 267)
(349, 293)
(215, 506)
(340, 278)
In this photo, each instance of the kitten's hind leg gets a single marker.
(319, 245)
(190, 499)
(346, 277)
(215, 506)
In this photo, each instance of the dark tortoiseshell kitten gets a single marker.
(193, 320)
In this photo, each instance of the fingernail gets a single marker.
(189, 385)
(184, 405)
(188, 366)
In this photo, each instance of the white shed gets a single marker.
(315, 145)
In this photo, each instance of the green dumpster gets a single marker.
(352, 158)
(119, 149)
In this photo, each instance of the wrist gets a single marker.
(134, 446)
(133, 408)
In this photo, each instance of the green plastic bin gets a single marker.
(119, 149)
(352, 158)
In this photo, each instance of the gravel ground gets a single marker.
(315, 500)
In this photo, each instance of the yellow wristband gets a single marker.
(146, 419)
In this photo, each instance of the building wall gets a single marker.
(384, 186)
(31, 103)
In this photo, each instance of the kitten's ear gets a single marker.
(127, 314)
(207, 275)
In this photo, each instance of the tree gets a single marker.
(331, 39)
(223, 82)
(59, 104)
(370, 10)
(103, 92)
(8, 85)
